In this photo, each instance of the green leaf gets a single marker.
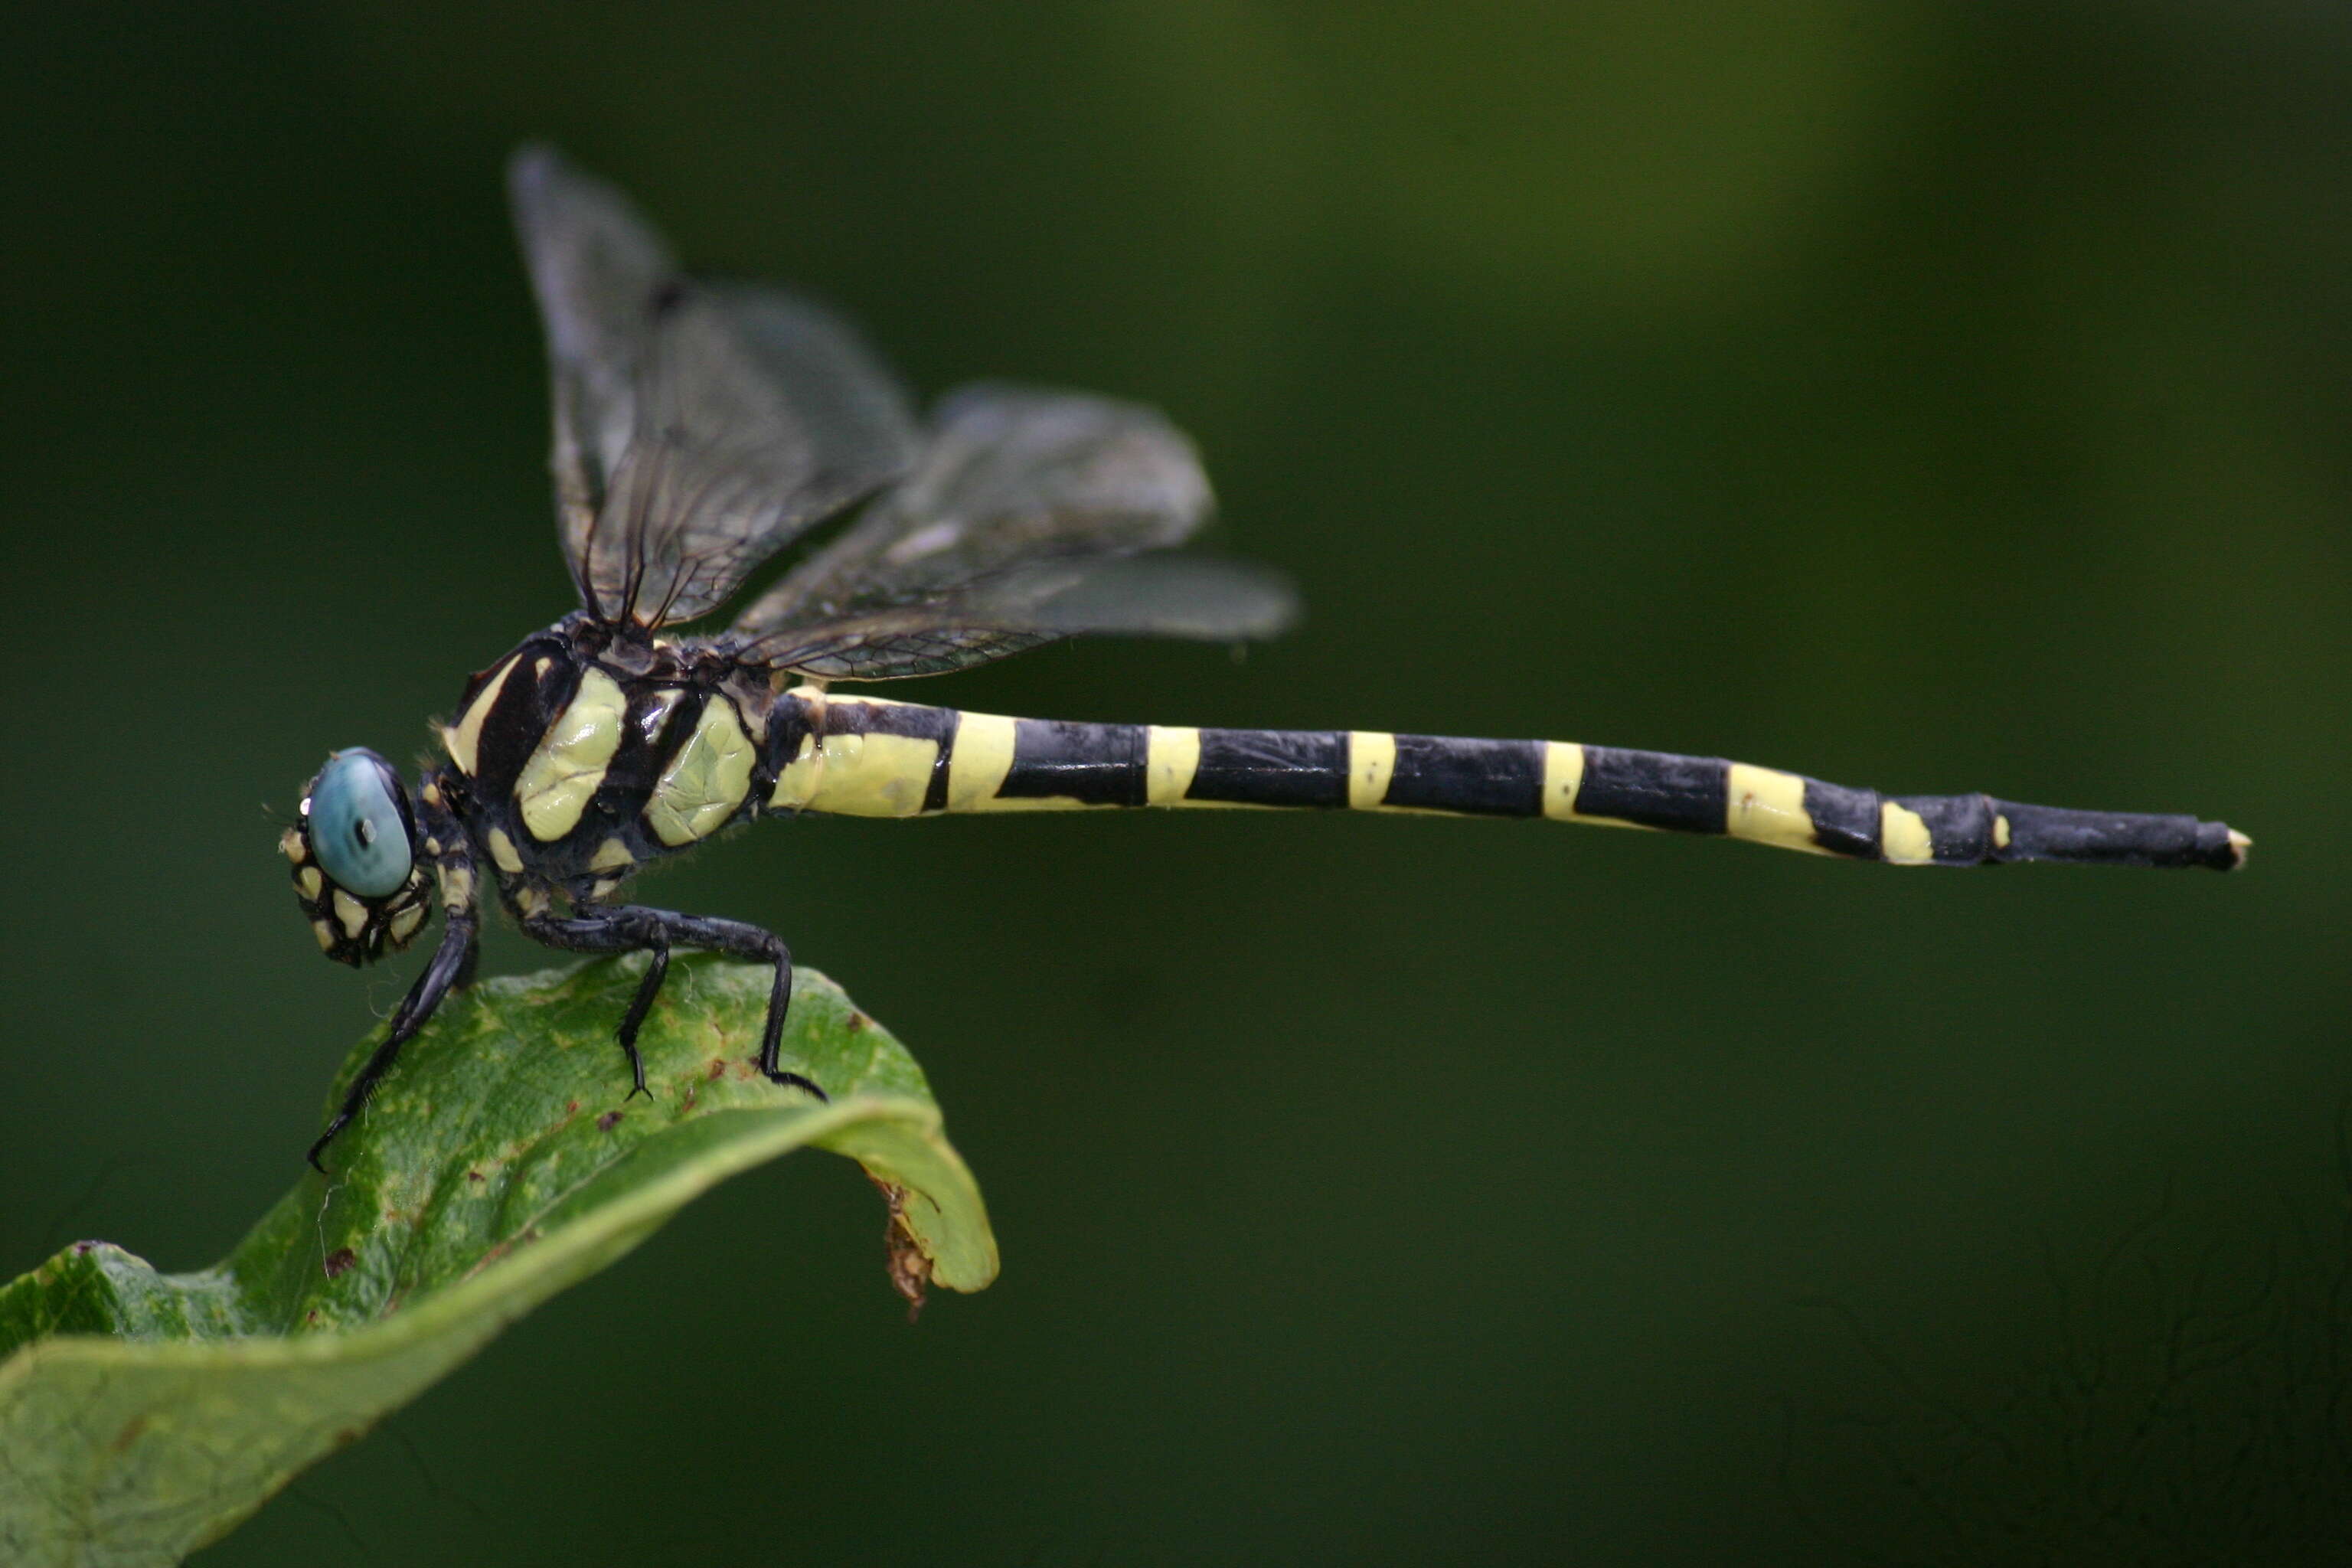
(144, 1415)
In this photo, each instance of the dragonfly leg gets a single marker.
(657, 968)
(452, 964)
(635, 928)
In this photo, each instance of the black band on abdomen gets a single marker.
(1272, 767)
(1092, 765)
(1655, 789)
(1477, 778)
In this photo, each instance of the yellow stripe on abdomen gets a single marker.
(1903, 837)
(1765, 805)
(1563, 773)
(981, 757)
(1172, 756)
(874, 775)
(1372, 763)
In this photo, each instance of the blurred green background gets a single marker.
(1927, 396)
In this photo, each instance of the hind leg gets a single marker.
(635, 928)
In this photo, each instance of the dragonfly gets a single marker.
(700, 428)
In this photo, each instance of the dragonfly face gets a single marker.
(700, 428)
(354, 848)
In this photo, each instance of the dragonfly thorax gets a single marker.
(590, 750)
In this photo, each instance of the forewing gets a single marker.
(758, 415)
(595, 266)
(699, 427)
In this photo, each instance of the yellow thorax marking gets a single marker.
(502, 851)
(569, 763)
(462, 740)
(706, 780)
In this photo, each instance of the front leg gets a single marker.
(635, 928)
(447, 852)
(453, 962)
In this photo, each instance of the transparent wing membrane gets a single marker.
(1006, 475)
(595, 267)
(698, 427)
(758, 415)
(1206, 598)
(1026, 519)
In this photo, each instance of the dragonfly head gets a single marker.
(354, 855)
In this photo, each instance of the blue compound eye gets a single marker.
(357, 829)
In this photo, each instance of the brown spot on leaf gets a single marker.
(904, 1259)
(857, 1020)
(607, 1121)
(571, 1107)
(129, 1433)
(347, 1437)
(339, 1261)
(718, 1068)
(476, 1177)
(496, 1252)
(84, 1249)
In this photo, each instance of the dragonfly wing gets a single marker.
(700, 427)
(595, 265)
(1006, 476)
(1202, 597)
(758, 415)
(1030, 515)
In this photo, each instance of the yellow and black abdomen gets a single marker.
(864, 756)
